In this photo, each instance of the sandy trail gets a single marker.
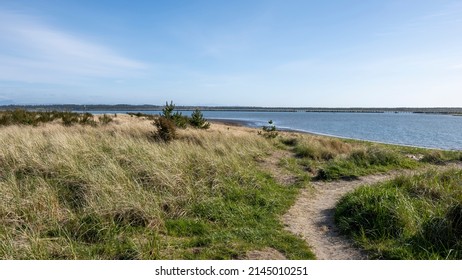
(312, 215)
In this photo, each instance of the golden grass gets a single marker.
(51, 175)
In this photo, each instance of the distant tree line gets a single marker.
(149, 107)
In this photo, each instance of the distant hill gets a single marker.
(148, 107)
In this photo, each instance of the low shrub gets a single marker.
(166, 130)
(289, 141)
(105, 119)
(87, 119)
(434, 157)
(270, 131)
(197, 120)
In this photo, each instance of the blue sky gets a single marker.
(338, 53)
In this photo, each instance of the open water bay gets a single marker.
(422, 130)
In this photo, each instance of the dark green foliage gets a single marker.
(454, 217)
(22, 117)
(87, 119)
(197, 120)
(166, 130)
(179, 120)
(290, 141)
(18, 116)
(69, 118)
(105, 119)
(167, 111)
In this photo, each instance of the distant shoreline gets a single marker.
(147, 107)
(249, 124)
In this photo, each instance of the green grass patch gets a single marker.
(416, 217)
(362, 162)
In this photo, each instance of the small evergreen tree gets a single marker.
(167, 112)
(197, 120)
(178, 119)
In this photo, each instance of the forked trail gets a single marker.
(312, 216)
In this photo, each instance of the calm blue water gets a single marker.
(422, 130)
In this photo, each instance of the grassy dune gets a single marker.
(113, 192)
(411, 217)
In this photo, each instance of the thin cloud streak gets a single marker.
(39, 53)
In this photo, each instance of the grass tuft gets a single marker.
(413, 217)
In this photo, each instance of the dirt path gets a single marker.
(312, 216)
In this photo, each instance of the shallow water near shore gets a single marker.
(421, 130)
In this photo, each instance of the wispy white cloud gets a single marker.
(31, 51)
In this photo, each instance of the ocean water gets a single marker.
(421, 130)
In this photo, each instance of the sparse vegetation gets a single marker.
(413, 217)
(270, 131)
(141, 115)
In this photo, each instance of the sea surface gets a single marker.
(420, 130)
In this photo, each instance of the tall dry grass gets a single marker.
(112, 192)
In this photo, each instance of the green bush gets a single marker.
(434, 157)
(105, 119)
(69, 118)
(167, 111)
(166, 130)
(179, 120)
(197, 120)
(87, 119)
